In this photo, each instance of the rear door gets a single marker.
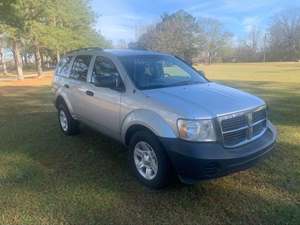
(61, 78)
(78, 82)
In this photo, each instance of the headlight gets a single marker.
(196, 130)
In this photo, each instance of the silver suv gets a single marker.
(172, 119)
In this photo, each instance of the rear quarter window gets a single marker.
(63, 68)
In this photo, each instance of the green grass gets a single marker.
(47, 178)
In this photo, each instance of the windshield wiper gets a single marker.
(154, 86)
(181, 83)
(186, 82)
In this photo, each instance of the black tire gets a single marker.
(164, 172)
(72, 127)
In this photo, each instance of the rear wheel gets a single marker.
(149, 161)
(68, 125)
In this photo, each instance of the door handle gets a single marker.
(90, 93)
(66, 86)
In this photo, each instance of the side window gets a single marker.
(64, 66)
(80, 67)
(103, 68)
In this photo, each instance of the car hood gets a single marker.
(204, 100)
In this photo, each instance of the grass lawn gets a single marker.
(47, 178)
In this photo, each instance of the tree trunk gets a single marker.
(2, 61)
(57, 56)
(18, 60)
(42, 59)
(209, 58)
(4, 67)
(38, 61)
(22, 58)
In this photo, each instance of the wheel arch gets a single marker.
(133, 129)
(145, 120)
(63, 99)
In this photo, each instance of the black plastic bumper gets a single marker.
(197, 161)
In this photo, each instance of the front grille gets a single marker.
(243, 127)
(235, 137)
(259, 115)
(258, 128)
(234, 123)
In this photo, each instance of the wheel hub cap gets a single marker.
(63, 120)
(145, 160)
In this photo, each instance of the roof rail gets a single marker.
(85, 49)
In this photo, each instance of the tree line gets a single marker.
(206, 40)
(45, 29)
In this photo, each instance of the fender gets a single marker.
(148, 119)
(63, 95)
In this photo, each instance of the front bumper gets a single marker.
(197, 161)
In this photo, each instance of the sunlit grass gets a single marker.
(274, 72)
(47, 178)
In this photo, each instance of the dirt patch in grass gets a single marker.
(35, 82)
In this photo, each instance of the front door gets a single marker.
(102, 104)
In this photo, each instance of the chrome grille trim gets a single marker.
(260, 121)
(231, 131)
(245, 131)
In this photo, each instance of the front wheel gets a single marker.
(149, 161)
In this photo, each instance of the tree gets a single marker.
(284, 34)
(177, 33)
(254, 38)
(34, 29)
(69, 26)
(48, 25)
(14, 20)
(2, 59)
(217, 40)
(252, 48)
(14, 39)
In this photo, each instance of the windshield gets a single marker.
(158, 71)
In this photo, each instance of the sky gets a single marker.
(120, 19)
